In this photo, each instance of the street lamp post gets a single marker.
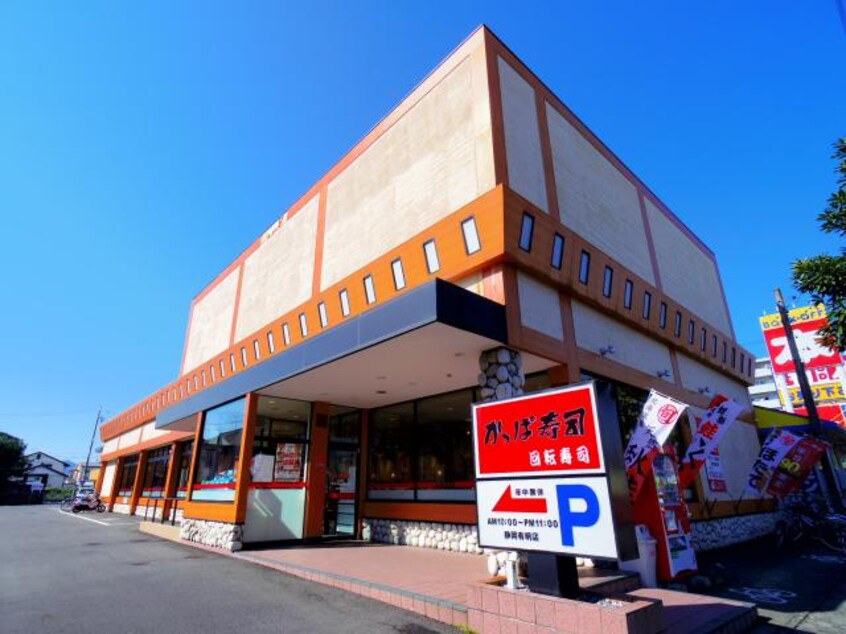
(91, 444)
(808, 398)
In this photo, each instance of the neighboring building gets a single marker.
(763, 391)
(50, 471)
(328, 372)
(80, 475)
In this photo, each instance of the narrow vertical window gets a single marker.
(369, 289)
(286, 334)
(607, 281)
(471, 236)
(628, 291)
(557, 251)
(232, 361)
(256, 349)
(203, 377)
(703, 340)
(691, 331)
(303, 325)
(584, 267)
(714, 346)
(527, 230)
(399, 274)
(271, 342)
(647, 304)
(181, 392)
(345, 302)
(431, 252)
(321, 312)
(662, 316)
(725, 351)
(212, 372)
(244, 357)
(195, 382)
(678, 324)
(222, 368)
(742, 361)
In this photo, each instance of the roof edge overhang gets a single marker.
(435, 302)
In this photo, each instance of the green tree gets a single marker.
(823, 277)
(12, 461)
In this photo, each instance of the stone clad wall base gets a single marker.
(215, 534)
(121, 508)
(726, 531)
(455, 537)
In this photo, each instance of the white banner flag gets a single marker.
(719, 416)
(773, 451)
(656, 422)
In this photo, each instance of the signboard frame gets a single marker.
(611, 471)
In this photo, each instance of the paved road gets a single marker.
(801, 589)
(97, 573)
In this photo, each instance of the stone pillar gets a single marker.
(501, 374)
(501, 377)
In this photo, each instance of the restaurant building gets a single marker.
(479, 242)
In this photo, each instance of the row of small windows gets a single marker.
(526, 239)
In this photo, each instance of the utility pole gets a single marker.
(91, 444)
(808, 397)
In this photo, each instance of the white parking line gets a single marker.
(80, 517)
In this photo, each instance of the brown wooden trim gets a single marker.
(245, 455)
(497, 118)
(653, 254)
(421, 511)
(318, 247)
(546, 154)
(318, 452)
(364, 468)
(140, 473)
(236, 307)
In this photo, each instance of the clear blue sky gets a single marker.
(143, 147)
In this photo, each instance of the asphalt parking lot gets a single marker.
(96, 573)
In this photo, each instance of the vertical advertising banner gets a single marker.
(656, 422)
(823, 366)
(775, 448)
(795, 466)
(709, 431)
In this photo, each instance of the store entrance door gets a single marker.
(342, 467)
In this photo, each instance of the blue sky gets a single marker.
(143, 147)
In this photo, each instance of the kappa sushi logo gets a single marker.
(667, 414)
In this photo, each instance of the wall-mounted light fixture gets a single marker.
(663, 374)
(609, 349)
(704, 390)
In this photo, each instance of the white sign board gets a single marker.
(570, 516)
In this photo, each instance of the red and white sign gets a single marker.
(720, 415)
(795, 466)
(546, 434)
(289, 462)
(656, 422)
(775, 448)
(571, 516)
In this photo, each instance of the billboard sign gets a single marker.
(541, 481)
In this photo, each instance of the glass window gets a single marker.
(217, 460)
(256, 349)
(584, 267)
(281, 440)
(186, 450)
(232, 361)
(733, 357)
(391, 453)
(703, 340)
(742, 361)
(345, 302)
(244, 357)
(303, 325)
(678, 324)
(430, 249)
(608, 281)
(286, 334)
(557, 251)
(444, 447)
(725, 351)
(369, 289)
(212, 373)
(647, 304)
(127, 476)
(527, 230)
(662, 315)
(321, 313)
(203, 375)
(691, 331)
(399, 275)
(271, 342)
(628, 291)
(471, 236)
(155, 473)
(195, 383)
(714, 345)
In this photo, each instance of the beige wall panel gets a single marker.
(108, 479)
(694, 375)
(149, 432)
(132, 437)
(472, 283)
(595, 200)
(211, 323)
(738, 450)
(688, 275)
(540, 307)
(110, 445)
(595, 330)
(278, 275)
(424, 167)
(522, 136)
